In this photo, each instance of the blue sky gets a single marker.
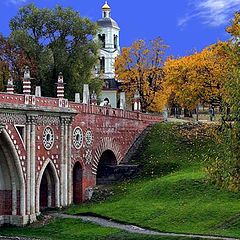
(185, 25)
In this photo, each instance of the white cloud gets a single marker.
(17, 1)
(211, 12)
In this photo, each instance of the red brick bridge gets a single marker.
(51, 151)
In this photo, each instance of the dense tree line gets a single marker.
(225, 171)
(50, 41)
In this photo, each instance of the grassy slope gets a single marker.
(176, 198)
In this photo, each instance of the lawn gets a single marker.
(72, 229)
(173, 194)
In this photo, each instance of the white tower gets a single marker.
(108, 37)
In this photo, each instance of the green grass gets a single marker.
(172, 193)
(72, 229)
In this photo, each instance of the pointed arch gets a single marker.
(48, 164)
(15, 173)
(106, 143)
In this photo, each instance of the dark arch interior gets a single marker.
(77, 183)
(107, 160)
(47, 188)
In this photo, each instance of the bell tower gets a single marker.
(108, 37)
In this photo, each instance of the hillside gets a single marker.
(172, 193)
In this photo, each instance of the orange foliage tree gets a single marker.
(198, 78)
(139, 68)
(13, 59)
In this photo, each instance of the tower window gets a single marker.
(102, 64)
(101, 38)
(115, 41)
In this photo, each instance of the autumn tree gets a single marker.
(58, 40)
(198, 78)
(139, 68)
(12, 62)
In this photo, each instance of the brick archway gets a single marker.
(77, 183)
(12, 184)
(106, 143)
(47, 193)
(107, 160)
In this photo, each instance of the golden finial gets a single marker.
(106, 6)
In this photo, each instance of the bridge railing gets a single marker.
(11, 98)
(63, 104)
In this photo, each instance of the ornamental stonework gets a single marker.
(48, 138)
(48, 120)
(12, 118)
(88, 156)
(77, 137)
(89, 137)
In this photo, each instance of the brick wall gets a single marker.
(5, 202)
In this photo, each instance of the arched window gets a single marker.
(102, 39)
(102, 65)
(115, 41)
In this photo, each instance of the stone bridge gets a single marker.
(51, 151)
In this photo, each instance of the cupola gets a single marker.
(106, 10)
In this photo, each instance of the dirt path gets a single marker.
(134, 229)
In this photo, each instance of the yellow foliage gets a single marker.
(139, 67)
(198, 78)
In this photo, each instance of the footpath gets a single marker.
(134, 229)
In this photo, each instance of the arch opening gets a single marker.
(10, 182)
(106, 166)
(48, 188)
(77, 183)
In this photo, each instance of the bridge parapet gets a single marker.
(56, 103)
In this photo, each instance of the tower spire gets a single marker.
(106, 10)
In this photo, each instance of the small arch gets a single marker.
(106, 143)
(105, 164)
(77, 183)
(47, 187)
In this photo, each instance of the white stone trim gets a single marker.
(57, 186)
(12, 152)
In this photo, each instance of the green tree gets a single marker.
(58, 40)
(225, 171)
